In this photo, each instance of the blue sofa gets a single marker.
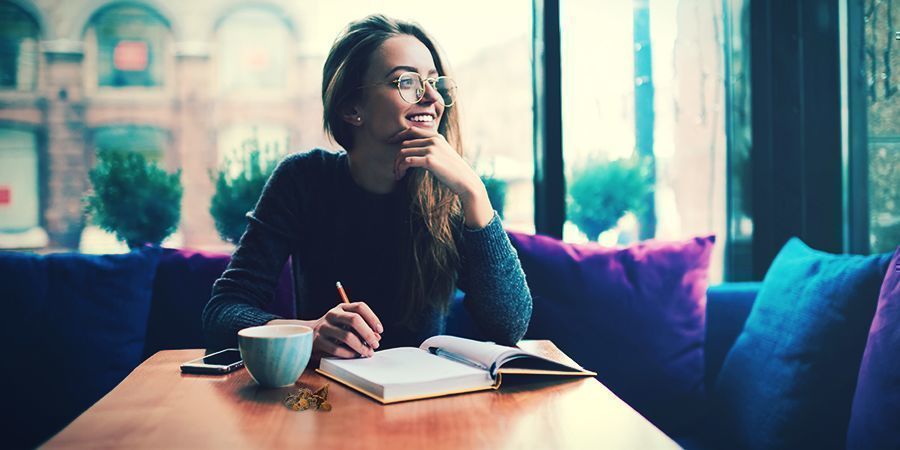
(169, 322)
(727, 307)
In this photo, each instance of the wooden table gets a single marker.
(157, 406)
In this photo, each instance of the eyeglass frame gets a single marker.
(432, 81)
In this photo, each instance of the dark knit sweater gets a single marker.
(313, 211)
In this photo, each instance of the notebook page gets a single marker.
(406, 365)
(485, 353)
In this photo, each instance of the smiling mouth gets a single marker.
(421, 119)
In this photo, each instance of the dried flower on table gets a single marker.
(306, 399)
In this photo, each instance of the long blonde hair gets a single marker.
(431, 262)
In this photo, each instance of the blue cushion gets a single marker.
(75, 328)
(788, 381)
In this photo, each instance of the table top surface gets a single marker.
(158, 406)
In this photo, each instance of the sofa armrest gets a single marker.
(727, 308)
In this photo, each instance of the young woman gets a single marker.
(400, 218)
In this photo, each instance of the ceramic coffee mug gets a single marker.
(275, 355)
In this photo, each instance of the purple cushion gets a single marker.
(183, 285)
(634, 315)
(875, 415)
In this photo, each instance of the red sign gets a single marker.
(130, 56)
(5, 195)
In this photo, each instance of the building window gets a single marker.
(19, 192)
(18, 49)
(131, 46)
(254, 51)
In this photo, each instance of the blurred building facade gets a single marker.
(181, 82)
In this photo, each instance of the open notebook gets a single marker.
(442, 365)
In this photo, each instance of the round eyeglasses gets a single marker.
(412, 88)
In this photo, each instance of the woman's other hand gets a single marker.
(429, 150)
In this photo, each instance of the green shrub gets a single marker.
(239, 183)
(134, 199)
(602, 192)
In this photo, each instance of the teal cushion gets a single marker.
(788, 381)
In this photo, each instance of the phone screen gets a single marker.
(223, 358)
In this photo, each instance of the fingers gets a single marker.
(419, 142)
(412, 161)
(411, 133)
(327, 346)
(367, 314)
(346, 338)
(353, 321)
(354, 324)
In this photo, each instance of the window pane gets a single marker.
(18, 48)
(236, 142)
(643, 102)
(18, 181)
(130, 47)
(883, 75)
(253, 46)
(740, 142)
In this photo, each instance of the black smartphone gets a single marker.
(220, 362)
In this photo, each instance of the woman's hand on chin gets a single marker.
(429, 150)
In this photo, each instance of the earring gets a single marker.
(358, 119)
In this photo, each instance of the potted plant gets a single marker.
(133, 198)
(239, 181)
(602, 192)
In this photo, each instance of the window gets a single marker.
(643, 102)
(131, 46)
(18, 49)
(19, 210)
(236, 142)
(254, 46)
(882, 65)
(739, 133)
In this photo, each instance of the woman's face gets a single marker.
(383, 112)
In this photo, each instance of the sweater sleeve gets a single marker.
(492, 278)
(247, 286)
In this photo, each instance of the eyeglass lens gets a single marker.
(412, 88)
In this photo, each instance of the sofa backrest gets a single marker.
(181, 289)
(727, 308)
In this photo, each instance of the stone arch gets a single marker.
(45, 31)
(84, 16)
(284, 15)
